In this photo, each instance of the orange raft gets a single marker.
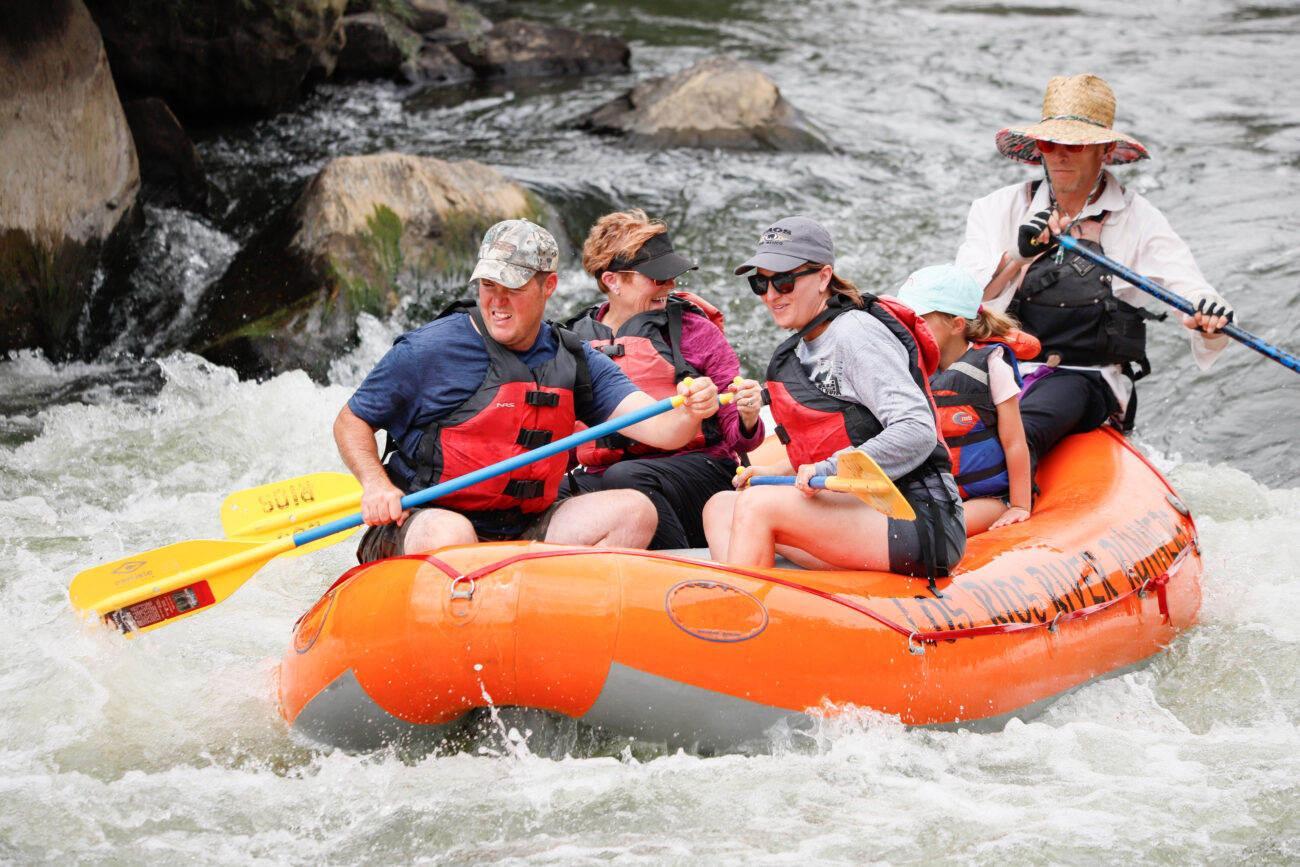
(686, 651)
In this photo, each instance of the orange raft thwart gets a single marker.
(673, 648)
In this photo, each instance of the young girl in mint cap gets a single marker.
(977, 393)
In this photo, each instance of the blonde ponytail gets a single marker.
(989, 325)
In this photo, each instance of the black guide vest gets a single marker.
(1070, 307)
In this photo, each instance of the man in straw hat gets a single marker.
(486, 381)
(1093, 332)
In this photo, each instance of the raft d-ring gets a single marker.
(1052, 627)
(1134, 577)
(462, 592)
(915, 648)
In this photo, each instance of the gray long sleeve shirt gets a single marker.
(857, 358)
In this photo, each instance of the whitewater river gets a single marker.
(169, 749)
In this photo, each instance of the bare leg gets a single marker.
(981, 513)
(620, 518)
(718, 512)
(433, 528)
(829, 530)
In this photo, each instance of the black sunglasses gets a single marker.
(783, 283)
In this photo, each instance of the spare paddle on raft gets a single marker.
(858, 475)
(1177, 301)
(280, 509)
(148, 590)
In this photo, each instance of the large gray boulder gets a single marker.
(469, 47)
(366, 232)
(447, 20)
(717, 103)
(70, 176)
(219, 58)
(531, 49)
(374, 45)
(170, 164)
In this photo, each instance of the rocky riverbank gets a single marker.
(96, 98)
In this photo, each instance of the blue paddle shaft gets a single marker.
(450, 486)
(814, 482)
(1178, 301)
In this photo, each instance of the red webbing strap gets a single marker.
(427, 558)
(720, 567)
(1158, 583)
(357, 570)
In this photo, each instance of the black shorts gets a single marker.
(906, 548)
(388, 540)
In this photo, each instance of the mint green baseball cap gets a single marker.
(942, 289)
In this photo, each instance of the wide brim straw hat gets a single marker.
(1076, 110)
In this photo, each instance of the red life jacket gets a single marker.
(648, 349)
(1022, 344)
(969, 420)
(514, 410)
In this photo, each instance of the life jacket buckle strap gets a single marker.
(542, 398)
(531, 439)
(525, 489)
(613, 441)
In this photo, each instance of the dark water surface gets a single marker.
(168, 749)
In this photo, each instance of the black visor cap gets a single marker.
(655, 260)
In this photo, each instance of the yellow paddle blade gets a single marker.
(145, 591)
(280, 509)
(885, 497)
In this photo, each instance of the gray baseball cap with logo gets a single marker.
(789, 243)
(513, 251)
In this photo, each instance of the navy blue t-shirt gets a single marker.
(434, 369)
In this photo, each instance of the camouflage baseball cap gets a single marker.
(513, 251)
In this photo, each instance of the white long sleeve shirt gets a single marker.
(1135, 234)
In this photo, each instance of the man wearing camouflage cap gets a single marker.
(487, 381)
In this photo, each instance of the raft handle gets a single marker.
(466, 593)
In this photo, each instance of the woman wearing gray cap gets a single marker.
(658, 337)
(848, 379)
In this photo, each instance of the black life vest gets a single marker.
(514, 410)
(969, 421)
(648, 349)
(813, 425)
(1070, 307)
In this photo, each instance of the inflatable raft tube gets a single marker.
(682, 650)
